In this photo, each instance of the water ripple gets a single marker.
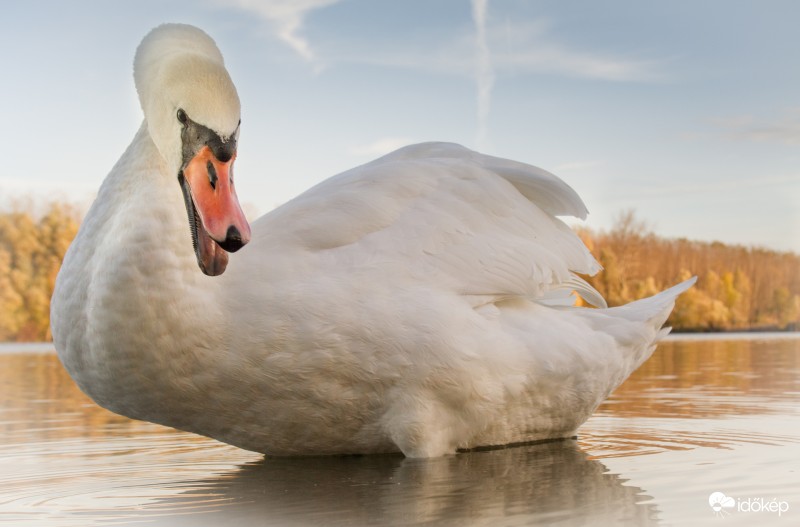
(694, 419)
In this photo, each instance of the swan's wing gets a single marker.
(444, 216)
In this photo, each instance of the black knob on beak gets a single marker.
(233, 240)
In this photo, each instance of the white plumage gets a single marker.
(414, 303)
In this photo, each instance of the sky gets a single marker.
(686, 112)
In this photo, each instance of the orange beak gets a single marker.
(219, 225)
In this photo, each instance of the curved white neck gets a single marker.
(131, 308)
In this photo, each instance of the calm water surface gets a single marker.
(703, 415)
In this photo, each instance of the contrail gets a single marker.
(484, 76)
(286, 18)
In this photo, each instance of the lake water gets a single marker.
(703, 415)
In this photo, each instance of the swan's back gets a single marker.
(425, 280)
(442, 214)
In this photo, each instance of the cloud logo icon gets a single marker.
(719, 501)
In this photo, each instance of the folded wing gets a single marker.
(447, 217)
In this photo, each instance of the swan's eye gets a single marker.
(182, 116)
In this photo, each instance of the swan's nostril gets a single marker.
(212, 174)
(233, 240)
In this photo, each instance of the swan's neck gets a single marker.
(132, 313)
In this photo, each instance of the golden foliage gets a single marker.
(737, 288)
(31, 251)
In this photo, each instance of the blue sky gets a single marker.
(686, 111)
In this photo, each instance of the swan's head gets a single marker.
(192, 113)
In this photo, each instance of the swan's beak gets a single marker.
(215, 216)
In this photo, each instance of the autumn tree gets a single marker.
(31, 251)
(737, 287)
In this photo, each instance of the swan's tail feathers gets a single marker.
(563, 294)
(654, 309)
(638, 327)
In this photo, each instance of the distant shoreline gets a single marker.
(26, 347)
(747, 334)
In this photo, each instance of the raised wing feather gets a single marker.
(443, 216)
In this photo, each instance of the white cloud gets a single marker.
(36, 194)
(785, 129)
(286, 18)
(484, 76)
(785, 182)
(532, 47)
(508, 47)
(379, 147)
(574, 166)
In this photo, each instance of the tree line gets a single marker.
(738, 288)
(32, 246)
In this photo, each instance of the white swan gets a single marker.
(410, 304)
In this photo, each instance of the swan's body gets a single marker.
(409, 304)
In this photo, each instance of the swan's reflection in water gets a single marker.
(700, 416)
(546, 483)
(66, 462)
